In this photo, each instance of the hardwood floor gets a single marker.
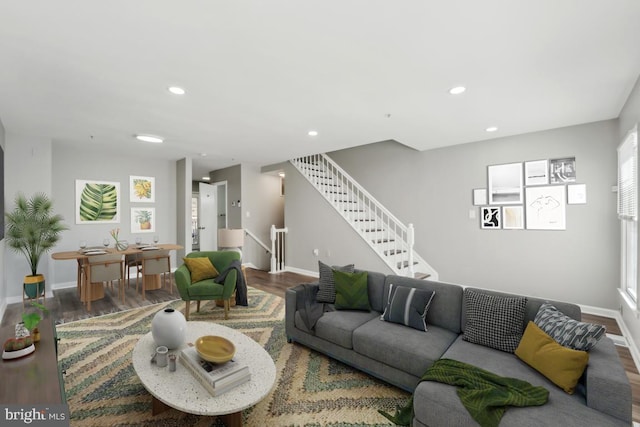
(65, 306)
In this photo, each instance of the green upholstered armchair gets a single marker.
(207, 289)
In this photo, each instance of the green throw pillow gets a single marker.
(351, 291)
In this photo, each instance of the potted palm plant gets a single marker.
(33, 229)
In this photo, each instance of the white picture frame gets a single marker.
(479, 196)
(577, 194)
(142, 189)
(513, 217)
(143, 220)
(545, 207)
(97, 202)
(536, 172)
(490, 218)
(505, 184)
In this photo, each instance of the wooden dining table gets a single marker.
(96, 291)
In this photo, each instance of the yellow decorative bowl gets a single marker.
(215, 349)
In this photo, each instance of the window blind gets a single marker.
(628, 176)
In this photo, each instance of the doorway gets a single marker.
(211, 214)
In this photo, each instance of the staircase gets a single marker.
(391, 240)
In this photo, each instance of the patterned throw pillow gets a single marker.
(351, 291)
(494, 321)
(567, 331)
(408, 306)
(327, 286)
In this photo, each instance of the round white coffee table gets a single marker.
(180, 390)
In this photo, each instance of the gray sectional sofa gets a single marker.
(400, 355)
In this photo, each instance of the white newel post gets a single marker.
(410, 241)
(273, 248)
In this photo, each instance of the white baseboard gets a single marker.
(302, 271)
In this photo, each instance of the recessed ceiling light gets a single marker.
(491, 129)
(176, 90)
(206, 178)
(150, 138)
(457, 90)
(313, 133)
(203, 154)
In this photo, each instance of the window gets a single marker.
(628, 212)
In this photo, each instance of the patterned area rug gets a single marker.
(311, 389)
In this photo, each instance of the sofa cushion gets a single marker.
(338, 326)
(351, 291)
(563, 366)
(493, 321)
(566, 331)
(326, 283)
(397, 345)
(439, 404)
(200, 268)
(205, 288)
(446, 305)
(408, 306)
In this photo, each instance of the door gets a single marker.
(207, 217)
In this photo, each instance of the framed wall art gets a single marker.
(490, 217)
(505, 184)
(546, 207)
(577, 194)
(143, 220)
(97, 202)
(536, 172)
(142, 189)
(479, 196)
(562, 170)
(513, 217)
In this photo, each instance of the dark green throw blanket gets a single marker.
(484, 394)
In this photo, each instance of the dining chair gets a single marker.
(156, 262)
(104, 269)
(133, 261)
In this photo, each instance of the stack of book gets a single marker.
(216, 378)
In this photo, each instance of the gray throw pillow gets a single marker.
(326, 283)
(408, 306)
(567, 331)
(494, 321)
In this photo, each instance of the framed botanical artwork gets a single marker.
(143, 220)
(505, 184)
(536, 172)
(142, 189)
(97, 202)
(512, 217)
(562, 170)
(577, 194)
(479, 196)
(490, 217)
(546, 207)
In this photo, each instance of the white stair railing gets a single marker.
(277, 249)
(387, 235)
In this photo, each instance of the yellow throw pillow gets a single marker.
(200, 268)
(562, 366)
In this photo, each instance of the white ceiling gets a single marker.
(260, 74)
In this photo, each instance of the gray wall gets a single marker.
(233, 176)
(70, 164)
(3, 291)
(629, 117)
(432, 190)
